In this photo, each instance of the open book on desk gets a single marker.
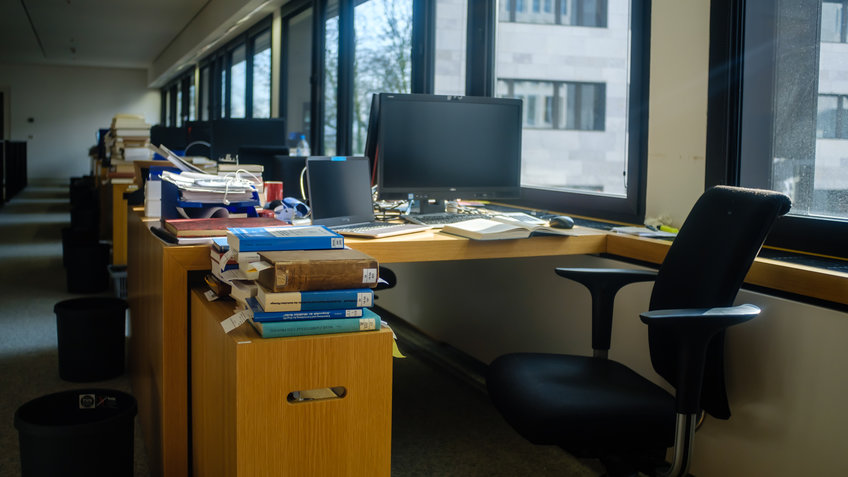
(500, 227)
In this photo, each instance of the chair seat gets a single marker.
(580, 403)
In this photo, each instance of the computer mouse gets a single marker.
(561, 222)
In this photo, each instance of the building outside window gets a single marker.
(575, 87)
(451, 33)
(834, 21)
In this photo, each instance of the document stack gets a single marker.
(302, 280)
(130, 135)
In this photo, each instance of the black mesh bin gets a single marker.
(91, 333)
(85, 432)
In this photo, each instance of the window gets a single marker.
(790, 95)
(834, 21)
(178, 100)
(832, 121)
(382, 57)
(238, 82)
(331, 76)
(235, 80)
(297, 49)
(580, 90)
(261, 73)
(450, 43)
(558, 104)
(204, 93)
(586, 13)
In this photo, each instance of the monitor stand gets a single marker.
(423, 206)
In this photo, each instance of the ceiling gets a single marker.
(105, 33)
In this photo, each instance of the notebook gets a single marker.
(340, 198)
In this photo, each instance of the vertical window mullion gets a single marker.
(248, 76)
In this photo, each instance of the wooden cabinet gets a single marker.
(243, 422)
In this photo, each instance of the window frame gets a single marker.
(724, 162)
(220, 61)
(168, 94)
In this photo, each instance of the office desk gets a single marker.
(158, 281)
(158, 284)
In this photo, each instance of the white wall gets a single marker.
(785, 379)
(68, 105)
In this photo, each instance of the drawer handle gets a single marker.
(319, 394)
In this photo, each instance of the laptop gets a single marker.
(340, 198)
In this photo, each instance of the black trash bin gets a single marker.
(86, 266)
(85, 432)
(72, 237)
(91, 333)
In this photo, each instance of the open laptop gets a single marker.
(340, 198)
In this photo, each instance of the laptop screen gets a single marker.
(339, 190)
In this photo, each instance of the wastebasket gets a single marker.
(85, 432)
(86, 266)
(91, 333)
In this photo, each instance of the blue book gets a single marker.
(369, 321)
(261, 316)
(293, 237)
(314, 300)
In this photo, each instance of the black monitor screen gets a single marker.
(228, 135)
(448, 147)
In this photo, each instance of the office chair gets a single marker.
(596, 407)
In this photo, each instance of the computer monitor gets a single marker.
(173, 137)
(447, 148)
(228, 135)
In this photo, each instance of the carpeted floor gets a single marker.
(442, 425)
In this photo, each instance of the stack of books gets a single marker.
(298, 280)
(126, 142)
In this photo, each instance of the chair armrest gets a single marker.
(603, 284)
(694, 329)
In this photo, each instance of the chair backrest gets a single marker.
(705, 267)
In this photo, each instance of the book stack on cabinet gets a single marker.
(127, 140)
(302, 280)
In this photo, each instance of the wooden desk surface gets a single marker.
(157, 284)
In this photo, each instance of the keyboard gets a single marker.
(440, 219)
(379, 229)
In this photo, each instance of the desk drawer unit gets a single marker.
(244, 422)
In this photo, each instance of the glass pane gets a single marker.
(179, 105)
(383, 31)
(238, 83)
(802, 154)
(167, 120)
(223, 93)
(451, 22)
(192, 113)
(262, 75)
(205, 94)
(574, 83)
(331, 76)
(299, 51)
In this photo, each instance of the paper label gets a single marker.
(367, 324)
(210, 295)
(354, 312)
(235, 321)
(337, 242)
(259, 266)
(369, 275)
(364, 299)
